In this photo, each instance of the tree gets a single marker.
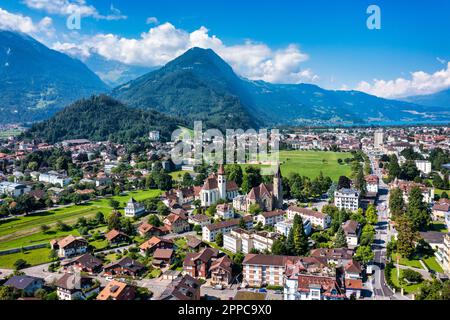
(198, 229)
(418, 211)
(62, 227)
(254, 209)
(114, 204)
(344, 182)
(364, 254)
(396, 203)
(44, 228)
(219, 239)
(154, 221)
(20, 264)
(394, 168)
(234, 173)
(100, 217)
(407, 237)
(242, 224)
(53, 255)
(340, 240)
(6, 293)
(187, 180)
(114, 221)
(300, 238)
(279, 247)
(290, 246)
(162, 209)
(371, 215)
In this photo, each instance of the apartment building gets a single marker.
(210, 232)
(270, 218)
(239, 240)
(261, 270)
(372, 183)
(318, 219)
(285, 226)
(347, 199)
(13, 189)
(424, 166)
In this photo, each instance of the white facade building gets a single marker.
(134, 209)
(347, 199)
(13, 189)
(424, 166)
(284, 227)
(55, 178)
(318, 219)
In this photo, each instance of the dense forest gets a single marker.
(101, 118)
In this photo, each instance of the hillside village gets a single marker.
(91, 220)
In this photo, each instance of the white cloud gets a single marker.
(18, 22)
(68, 7)
(164, 42)
(420, 83)
(152, 20)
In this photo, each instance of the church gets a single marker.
(216, 187)
(268, 196)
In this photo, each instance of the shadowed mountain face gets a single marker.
(439, 99)
(36, 82)
(199, 85)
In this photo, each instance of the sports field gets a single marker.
(25, 231)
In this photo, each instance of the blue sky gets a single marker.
(323, 42)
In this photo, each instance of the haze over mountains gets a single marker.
(36, 82)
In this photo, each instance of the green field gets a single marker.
(412, 288)
(311, 163)
(4, 134)
(33, 258)
(23, 231)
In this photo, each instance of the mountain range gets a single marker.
(36, 82)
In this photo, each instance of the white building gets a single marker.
(372, 184)
(134, 209)
(270, 218)
(318, 219)
(154, 136)
(378, 139)
(216, 187)
(347, 199)
(284, 227)
(224, 211)
(424, 166)
(55, 178)
(210, 232)
(13, 189)
(239, 240)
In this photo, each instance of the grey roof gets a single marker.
(21, 282)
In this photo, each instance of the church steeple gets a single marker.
(278, 188)
(222, 182)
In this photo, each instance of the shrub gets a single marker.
(411, 276)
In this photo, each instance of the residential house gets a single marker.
(163, 257)
(441, 209)
(352, 231)
(185, 288)
(76, 287)
(86, 263)
(197, 265)
(338, 257)
(13, 189)
(407, 186)
(25, 283)
(116, 237)
(221, 271)
(224, 211)
(443, 254)
(239, 240)
(147, 230)
(201, 220)
(116, 290)
(70, 246)
(177, 223)
(124, 267)
(372, 183)
(55, 178)
(155, 243)
(318, 219)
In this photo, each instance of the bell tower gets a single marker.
(222, 183)
(278, 188)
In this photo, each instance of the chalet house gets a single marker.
(27, 284)
(76, 287)
(177, 223)
(353, 270)
(116, 290)
(221, 271)
(116, 237)
(181, 196)
(197, 265)
(86, 263)
(70, 246)
(317, 219)
(352, 231)
(270, 218)
(155, 243)
(216, 187)
(124, 267)
(194, 244)
(407, 186)
(163, 257)
(147, 230)
(185, 289)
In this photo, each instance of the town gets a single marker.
(348, 214)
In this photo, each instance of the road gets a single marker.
(383, 236)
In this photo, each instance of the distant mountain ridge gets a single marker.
(439, 99)
(36, 82)
(199, 85)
